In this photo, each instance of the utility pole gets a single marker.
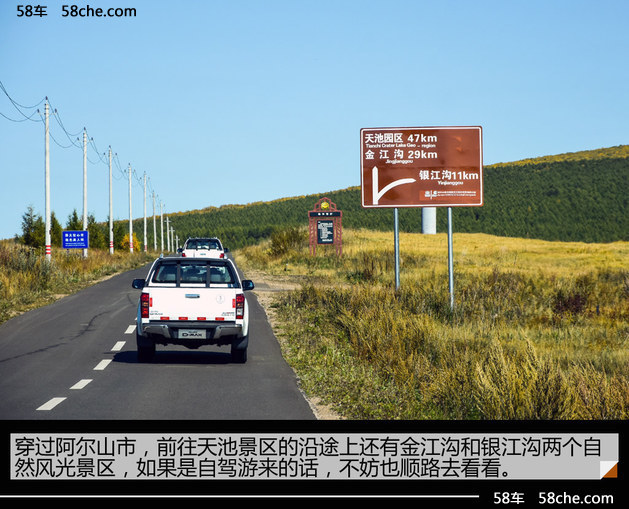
(130, 214)
(145, 241)
(111, 212)
(154, 226)
(47, 179)
(161, 213)
(167, 235)
(85, 186)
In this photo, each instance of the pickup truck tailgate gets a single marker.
(191, 303)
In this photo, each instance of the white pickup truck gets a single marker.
(192, 302)
(202, 248)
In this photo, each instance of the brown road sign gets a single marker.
(421, 167)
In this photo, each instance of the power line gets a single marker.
(50, 134)
(17, 106)
(16, 103)
(91, 141)
(72, 137)
(58, 118)
(21, 120)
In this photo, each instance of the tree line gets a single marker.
(34, 231)
(568, 198)
(581, 196)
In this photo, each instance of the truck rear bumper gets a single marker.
(176, 331)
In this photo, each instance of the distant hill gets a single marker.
(580, 196)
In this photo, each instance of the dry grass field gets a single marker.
(27, 280)
(540, 330)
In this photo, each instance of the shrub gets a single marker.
(286, 239)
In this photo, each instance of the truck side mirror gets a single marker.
(247, 284)
(138, 284)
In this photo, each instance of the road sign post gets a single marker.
(396, 246)
(422, 167)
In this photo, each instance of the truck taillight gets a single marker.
(222, 255)
(183, 255)
(144, 305)
(240, 305)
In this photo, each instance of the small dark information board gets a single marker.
(325, 226)
(325, 232)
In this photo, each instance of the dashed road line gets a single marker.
(81, 383)
(102, 365)
(51, 404)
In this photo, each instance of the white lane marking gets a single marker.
(51, 404)
(130, 329)
(102, 365)
(118, 346)
(81, 383)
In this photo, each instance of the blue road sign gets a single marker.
(75, 239)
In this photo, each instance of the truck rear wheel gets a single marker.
(239, 356)
(239, 350)
(146, 350)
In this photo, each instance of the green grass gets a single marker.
(540, 330)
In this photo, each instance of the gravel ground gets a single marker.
(266, 288)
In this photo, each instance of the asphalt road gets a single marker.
(76, 359)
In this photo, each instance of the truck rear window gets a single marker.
(193, 273)
(166, 273)
(203, 244)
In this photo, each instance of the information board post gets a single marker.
(450, 259)
(396, 234)
(422, 167)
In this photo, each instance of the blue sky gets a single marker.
(242, 101)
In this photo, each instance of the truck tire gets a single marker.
(239, 350)
(239, 355)
(146, 349)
